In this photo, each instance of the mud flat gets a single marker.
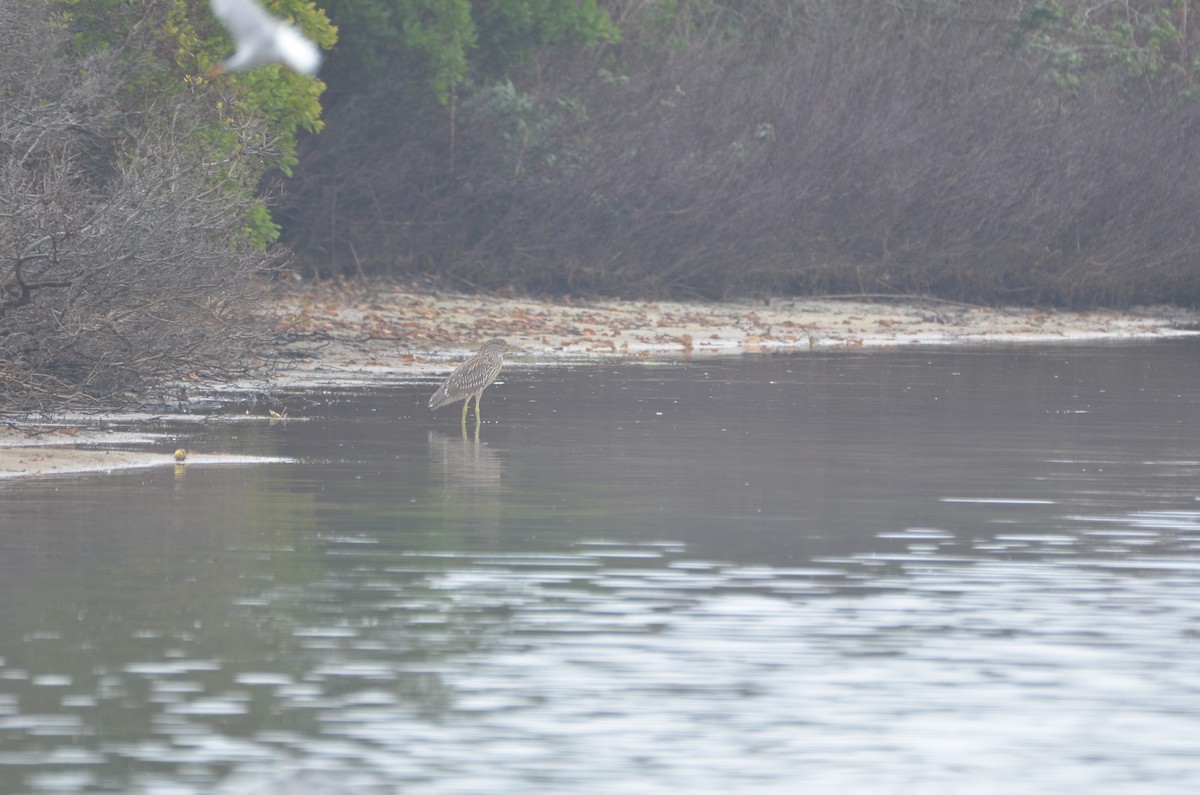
(349, 334)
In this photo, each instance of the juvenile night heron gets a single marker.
(471, 377)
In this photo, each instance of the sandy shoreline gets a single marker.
(351, 335)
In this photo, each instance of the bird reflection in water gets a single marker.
(465, 460)
(469, 490)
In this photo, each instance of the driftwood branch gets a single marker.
(21, 291)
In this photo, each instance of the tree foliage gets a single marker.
(172, 47)
(425, 41)
(441, 47)
(1149, 47)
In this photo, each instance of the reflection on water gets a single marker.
(465, 461)
(914, 571)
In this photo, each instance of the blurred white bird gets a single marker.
(262, 39)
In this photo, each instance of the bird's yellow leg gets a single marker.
(466, 403)
(477, 397)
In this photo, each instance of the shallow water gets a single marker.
(908, 571)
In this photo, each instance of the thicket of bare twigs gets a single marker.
(828, 147)
(118, 268)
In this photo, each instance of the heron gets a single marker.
(263, 39)
(471, 377)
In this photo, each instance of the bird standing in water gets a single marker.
(262, 39)
(471, 377)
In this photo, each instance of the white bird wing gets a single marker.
(246, 19)
(295, 49)
(261, 38)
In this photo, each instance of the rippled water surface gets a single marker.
(942, 571)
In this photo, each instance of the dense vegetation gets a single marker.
(133, 236)
(992, 150)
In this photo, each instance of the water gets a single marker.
(937, 571)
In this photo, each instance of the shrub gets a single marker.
(124, 254)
